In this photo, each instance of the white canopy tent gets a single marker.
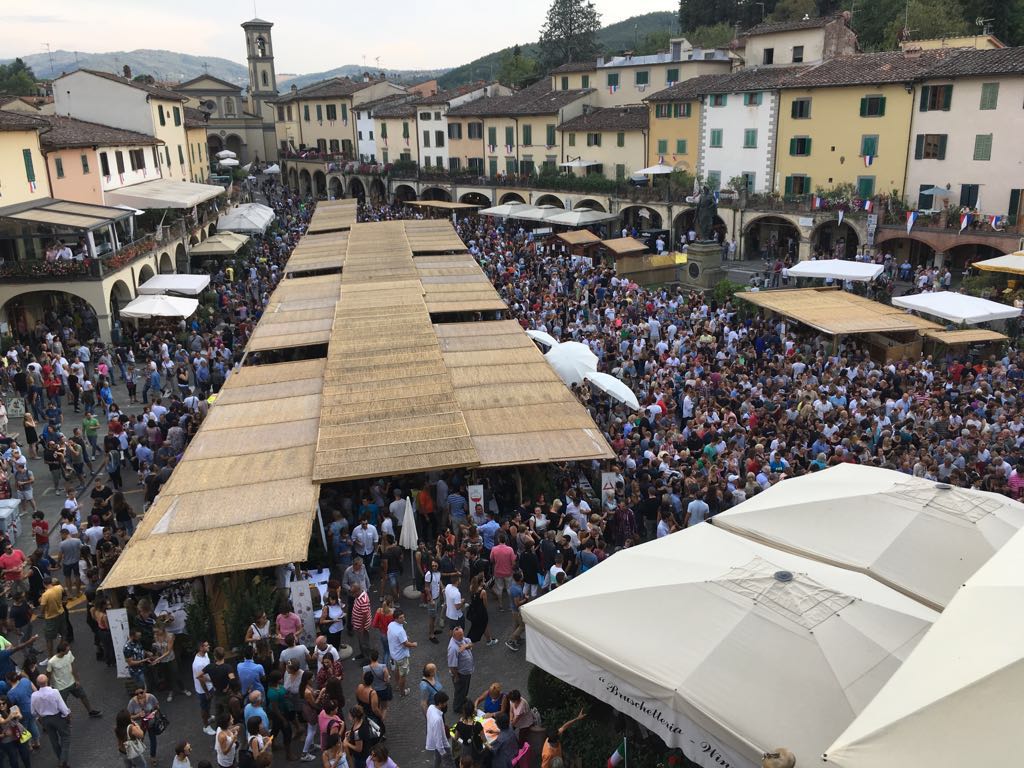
(185, 285)
(578, 163)
(160, 305)
(248, 218)
(226, 153)
(956, 307)
(164, 193)
(220, 244)
(505, 210)
(227, 162)
(837, 269)
(272, 169)
(957, 701)
(537, 212)
(580, 218)
(657, 169)
(920, 537)
(723, 647)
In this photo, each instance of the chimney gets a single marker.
(366, 77)
(127, 72)
(600, 61)
(295, 88)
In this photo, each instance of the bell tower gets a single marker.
(259, 48)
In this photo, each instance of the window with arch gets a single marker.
(261, 46)
(263, 78)
(229, 106)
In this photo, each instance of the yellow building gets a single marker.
(674, 116)
(196, 122)
(395, 127)
(611, 141)
(22, 166)
(847, 121)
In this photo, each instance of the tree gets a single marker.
(655, 42)
(927, 19)
(516, 70)
(716, 36)
(147, 79)
(570, 32)
(17, 79)
(794, 10)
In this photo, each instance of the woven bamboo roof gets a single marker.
(316, 252)
(299, 312)
(437, 236)
(332, 216)
(578, 237)
(241, 497)
(623, 245)
(836, 312)
(966, 336)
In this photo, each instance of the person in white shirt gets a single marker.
(203, 686)
(437, 734)
(453, 604)
(431, 593)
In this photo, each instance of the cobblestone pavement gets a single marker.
(93, 743)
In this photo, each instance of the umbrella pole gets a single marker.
(410, 591)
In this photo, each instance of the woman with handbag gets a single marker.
(145, 712)
(14, 736)
(130, 741)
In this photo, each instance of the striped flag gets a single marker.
(816, 202)
(869, 160)
(911, 218)
(868, 205)
(965, 219)
(618, 756)
(841, 212)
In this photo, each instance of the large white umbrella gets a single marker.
(655, 169)
(248, 218)
(228, 162)
(160, 305)
(957, 307)
(578, 163)
(537, 212)
(187, 285)
(837, 269)
(921, 537)
(580, 218)
(1012, 263)
(272, 169)
(571, 360)
(723, 647)
(546, 339)
(409, 539)
(224, 153)
(957, 700)
(613, 388)
(505, 210)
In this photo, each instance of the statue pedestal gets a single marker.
(703, 267)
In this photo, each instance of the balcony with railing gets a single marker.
(88, 268)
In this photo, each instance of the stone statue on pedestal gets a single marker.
(706, 210)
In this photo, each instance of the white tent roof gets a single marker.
(160, 305)
(571, 360)
(956, 307)
(923, 538)
(580, 218)
(505, 210)
(957, 700)
(578, 163)
(247, 217)
(698, 636)
(163, 193)
(220, 244)
(188, 285)
(537, 212)
(837, 269)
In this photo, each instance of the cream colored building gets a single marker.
(612, 140)
(802, 41)
(432, 130)
(394, 126)
(22, 165)
(674, 117)
(196, 134)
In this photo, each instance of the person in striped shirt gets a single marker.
(360, 620)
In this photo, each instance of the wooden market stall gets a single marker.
(574, 242)
(617, 248)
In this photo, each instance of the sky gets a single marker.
(309, 35)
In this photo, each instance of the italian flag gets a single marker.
(618, 756)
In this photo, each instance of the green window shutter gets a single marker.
(551, 135)
(792, 146)
(807, 146)
(919, 147)
(492, 136)
(989, 95)
(789, 185)
(344, 111)
(881, 106)
(793, 111)
(1014, 207)
(681, 146)
(30, 171)
(528, 135)
(948, 101)
(510, 136)
(942, 146)
(983, 146)
(620, 139)
(924, 98)
(863, 106)
(662, 146)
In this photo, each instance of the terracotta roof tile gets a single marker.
(63, 132)
(633, 117)
(968, 62)
(152, 90)
(19, 121)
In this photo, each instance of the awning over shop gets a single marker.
(186, 285)
(164, 193)
(957, 307)
(578, 237)
(64, 213)
(221, 244)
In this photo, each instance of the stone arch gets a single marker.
(319, 184)
(771, 237)
(166, 265)
(549, 200)
(214, 144)
(404, 193)
(193, 240)
(511, 197)
(26, 305)
(145, 272)
(436, 193)
(293, 179)
(211, 229)
(356, 189)
(686, 220)
(305, 183)
(632, 217)
(959, 256)
(180, 258)
(378, 192)
(908, 248)
(475, 198)
(234, 142)
(835, 240)
(590, 203)
(120, 295)
(336, 188)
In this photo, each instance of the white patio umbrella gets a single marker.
(272, 169)
(226, 153)
(578, 163)
(956, 701)
(409, 539)
(745, 648)
(571, 360)
(248, 218)
(923, 538)
(505, 210)
(546, 339)
(613, 388)
(580, 218)
(656, 169)
(957, 307)
(160, 305)
(228, 162)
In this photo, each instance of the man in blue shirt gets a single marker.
(255, 709)
(488, 531)
(250, 674)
